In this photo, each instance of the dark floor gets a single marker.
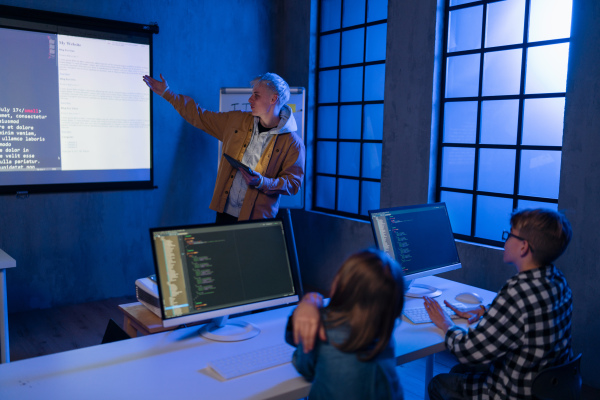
(41, 332)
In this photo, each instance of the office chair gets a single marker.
(562, 382)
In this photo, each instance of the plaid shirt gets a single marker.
(527, 327)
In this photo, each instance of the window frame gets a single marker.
(338, 104)
(525, 45)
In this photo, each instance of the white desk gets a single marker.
(6, 261)
(173, 364)
(424, 340)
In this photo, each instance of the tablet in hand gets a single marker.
(236, 164)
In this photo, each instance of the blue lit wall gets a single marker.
(79, 247)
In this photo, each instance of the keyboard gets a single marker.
(253, 361)
(419, 315)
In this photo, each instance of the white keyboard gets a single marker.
(253, 361)
(419, 315)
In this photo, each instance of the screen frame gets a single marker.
(429, 272)
(33, 20)
(239, 309)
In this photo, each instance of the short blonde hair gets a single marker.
(276, 84)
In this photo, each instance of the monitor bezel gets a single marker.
(420, 274)
(228, 311)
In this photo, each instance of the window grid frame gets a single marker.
(478, 146)
(337, 140)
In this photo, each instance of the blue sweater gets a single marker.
(338, 375)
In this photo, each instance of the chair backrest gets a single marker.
(560, 382)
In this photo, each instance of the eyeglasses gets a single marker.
(507, 234)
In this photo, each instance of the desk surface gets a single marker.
(414, 341)
(173, 364)
(6, 261)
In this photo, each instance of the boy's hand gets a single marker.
(471, 314)
(437, 314)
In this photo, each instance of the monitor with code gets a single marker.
(210, 271)
(419, 237)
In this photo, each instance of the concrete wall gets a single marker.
(580, 182)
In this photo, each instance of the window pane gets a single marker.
(376, 41)
(326, 156)
(547, 69)
(506, 100)
(328, 86)
(350, 122)
(540, 173)
(374, 82)
(373, 122)
(351, 84)
(464, 32)
(353, 44)
(505, 22)
(377, 10)
(330, 14)
(543, 121)
(371, 163)
(499, 121)
(458, 165)
(327, 122)
(502, 72)
(459, 207)
(349, 159)
(496, 171)
(492, 217)
(343, 121)
(523, 204)
(329, 51)
(549, 19)
(370, 196)
(459, 2)
(462, 76)
(460, 122)
(325, 192)
(354, 13)
(348, 195)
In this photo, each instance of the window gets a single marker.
(349, 114)
(502, 111)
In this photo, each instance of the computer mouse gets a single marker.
(469, 297)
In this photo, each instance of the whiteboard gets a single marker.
(237, 99)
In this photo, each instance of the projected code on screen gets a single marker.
(19, 129)
(72, 108)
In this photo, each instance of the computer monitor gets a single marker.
(420, 238)
(209, 272)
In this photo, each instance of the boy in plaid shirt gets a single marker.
(525, 329)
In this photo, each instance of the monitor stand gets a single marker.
(222, 330)
(419, 290)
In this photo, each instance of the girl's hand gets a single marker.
(307, 321)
